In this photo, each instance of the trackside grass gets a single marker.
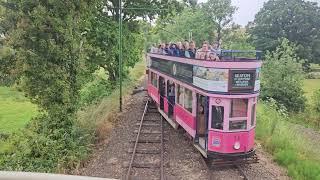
(286, 144)
(101, 115)
(310, 86)
(15, 110)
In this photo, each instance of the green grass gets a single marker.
(101, 115)
(311, 85)
(15, 110)
(290, 149)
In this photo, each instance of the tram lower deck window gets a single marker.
(154, 79)
(238, 125)
(239, 108)
(217, 117)
(188, 99)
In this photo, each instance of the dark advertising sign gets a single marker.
(183, 72)
(242, 80)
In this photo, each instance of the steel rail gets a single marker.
(162, 153)
(136, 142)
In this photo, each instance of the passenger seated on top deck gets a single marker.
(161, 49)
(154, 49)
(175, 51)
(186, 52)
(204, 52)
(180, 49)
(192, 49)
(213, 57)
(215, 48)
(167, 49)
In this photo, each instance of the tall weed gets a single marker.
(290, 149)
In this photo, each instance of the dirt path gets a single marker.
(182, 160)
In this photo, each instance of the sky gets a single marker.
(247, 9)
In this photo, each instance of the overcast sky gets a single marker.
(247, 9)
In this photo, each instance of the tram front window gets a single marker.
(217, 117)
(238, 125)
(239, 108)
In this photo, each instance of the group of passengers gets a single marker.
(189, 50)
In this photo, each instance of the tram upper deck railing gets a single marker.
(226, 56)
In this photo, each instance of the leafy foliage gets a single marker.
(296, 20)
(220, 12)
(104, 36)
(282, 77)
(237, 38)
(189, 20)
(52, 48)
(48, 41)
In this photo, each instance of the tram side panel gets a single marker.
(185, 119)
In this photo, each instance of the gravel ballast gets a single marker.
(182, 160)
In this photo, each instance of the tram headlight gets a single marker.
(236, 145)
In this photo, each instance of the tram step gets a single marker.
(142, 165)
(146, 151)
(148, 132)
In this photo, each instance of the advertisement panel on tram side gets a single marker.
(211, 79)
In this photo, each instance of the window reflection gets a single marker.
(239, 108)
(238, 125)
(217, 117)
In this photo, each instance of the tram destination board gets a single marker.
(241, 80)
(183, 72)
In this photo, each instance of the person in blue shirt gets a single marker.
(192, 49)
(175, 51)
(168, 50)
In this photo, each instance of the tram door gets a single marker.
(171, 97)
(162, 91)
(202, 124)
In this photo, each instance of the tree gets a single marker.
(220, 13)
(236, 38)
(184, 23)
(296, 20)
(103, 37)
(49, 45)
(282, 77)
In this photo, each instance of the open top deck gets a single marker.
(230, 75)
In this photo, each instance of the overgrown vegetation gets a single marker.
(50, 50)
(282, 78)
(285, 141)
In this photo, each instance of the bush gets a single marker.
(282, 78)
(34, 149)
(98, 87)
(289, 148)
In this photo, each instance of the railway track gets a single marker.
(147, 152)
(212, 169)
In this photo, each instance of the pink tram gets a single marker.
(213, 101)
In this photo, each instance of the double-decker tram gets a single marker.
(213, 101)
